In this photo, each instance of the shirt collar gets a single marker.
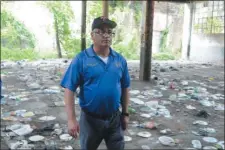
(90, 51)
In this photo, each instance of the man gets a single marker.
(103, 78)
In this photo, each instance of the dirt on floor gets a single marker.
(167, 108)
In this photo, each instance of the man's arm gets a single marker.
(125, 100)
(73, 126)
(69, 104)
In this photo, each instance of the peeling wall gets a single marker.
(207, 47)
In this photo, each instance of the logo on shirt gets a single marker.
(118, 64)
(92, 65)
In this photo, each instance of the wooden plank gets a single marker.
(146, 43)
(83, 25)
(105, 9)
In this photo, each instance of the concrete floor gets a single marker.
(180, 123)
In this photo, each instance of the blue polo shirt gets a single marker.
(100, 83)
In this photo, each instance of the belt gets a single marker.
(98, 116)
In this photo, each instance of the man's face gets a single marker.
(102, 37)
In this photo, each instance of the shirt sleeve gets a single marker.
(72, 77)
(125, 81)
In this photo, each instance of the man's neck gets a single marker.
(101, 51)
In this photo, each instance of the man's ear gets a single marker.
(92, 35)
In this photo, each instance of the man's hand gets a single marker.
(124, 122)
(73, 128)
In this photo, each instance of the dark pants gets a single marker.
(93, 131)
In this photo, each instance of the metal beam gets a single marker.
(146, 42)
(105, 9)
(83, 25)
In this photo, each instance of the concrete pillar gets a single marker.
(146, 43)
(105, 10)
(187, 28)
(83, 25)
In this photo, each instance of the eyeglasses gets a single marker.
(103, 33)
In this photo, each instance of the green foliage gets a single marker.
(163, 56)
(63, 16)
(94, 9)
(14, 34)
(163, 41)
(18, 54)
(130, 47)
(74, 47)
(217, 26)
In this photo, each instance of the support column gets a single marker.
(187, 31)
(105, 9)
(83, 25)
(146, 42)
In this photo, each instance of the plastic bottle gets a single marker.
(131, 110)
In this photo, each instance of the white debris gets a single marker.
(137, 101)
(36, 138)
(134, 92)
(209, 147)
(145, 147)
(144, 134)
(210, 139)
(47, 118)
(190, 107)
(196, 144)
(165, 140)
(127, 138)
(145, 115)
(200, 122)
(23, 130)
(65, 137)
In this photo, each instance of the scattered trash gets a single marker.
(165, 140)
(145, 147)
(23, 130)
(184, 83)
(148, 103)
(190, 107)
(145, 115)
(200, 122)
(202, 113)
(50, 144)
(131, 110)
(127, 138)
(65, 137)
(208, 130)
(200, 133)
(165, 131)
(219, 107)
(34, 86)
(144, 134)
(209, 147)
(171, 85)
(196, 144)
(220, 145)
(210, 139)
(134, 92)
(47, 118)
(67, 147)
(28, 114)
(51, 91)
(36, 138)
(137, 101)
(173, 97)
(60, 103)
(207, 103)
(57, 132)
(148, 125)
